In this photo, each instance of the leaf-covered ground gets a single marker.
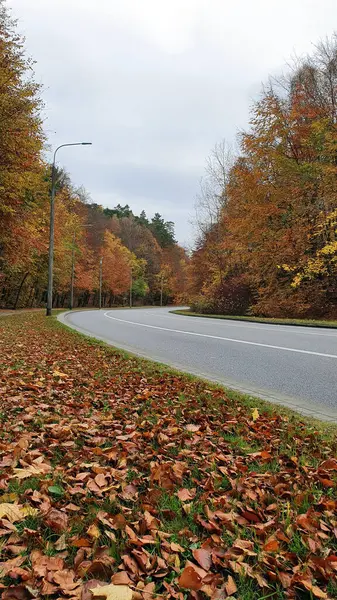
(116, 470)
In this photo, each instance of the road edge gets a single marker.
(267, 321)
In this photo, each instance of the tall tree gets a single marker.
(163, 231)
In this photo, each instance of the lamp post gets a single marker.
(161, 290)
(131, 283)
(52, 227)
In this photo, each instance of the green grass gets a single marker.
(175, 520)
(16, 486)
(271, 320)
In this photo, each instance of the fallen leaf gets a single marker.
(61, 544)
(255, 414)
(16, 512)
(190, 579)
(59, 374)
(113, 592)
(57, 490)
(192, 427)
(121, 578)
(17, 592)
(31, 471)
(203, 557)
(184, 494)
(176, 547)
(93, 531)
(271, 546)
(88, 586)
(101, 480)
(329, 465)
(56, 520)
(230, 586)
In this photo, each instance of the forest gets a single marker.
(267, 214)
(134, 250)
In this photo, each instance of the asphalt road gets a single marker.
(295, 366)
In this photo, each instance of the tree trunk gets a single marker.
(19, 290)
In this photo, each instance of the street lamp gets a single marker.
(161, 289)
(51, 230)
(131, 284)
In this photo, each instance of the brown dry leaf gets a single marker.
(47, 588)
(190, 579)
(314, 589)
(203, 557)
(230, 586)
(130, 492)
(65, 579)
(113, 592)
(101, 480)
(176, 547)
(285, 579)
(184, 494)
(57, 520)
(17, 592)
(9, 565)
(121, 578)
(148, 590)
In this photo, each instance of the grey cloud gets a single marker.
(154, 84)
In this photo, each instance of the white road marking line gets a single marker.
(226, 339)
(296, 329)
(277, 328)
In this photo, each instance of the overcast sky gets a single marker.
(154, 84)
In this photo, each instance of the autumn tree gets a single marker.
(22, 186)
(275, 228)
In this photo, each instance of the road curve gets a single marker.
(294, 366)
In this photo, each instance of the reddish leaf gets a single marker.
(203, 557)
(329, 465)
(190, 579)
(17, 592)
(271, 546)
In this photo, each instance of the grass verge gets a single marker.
(272, 321)
(118, 469)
